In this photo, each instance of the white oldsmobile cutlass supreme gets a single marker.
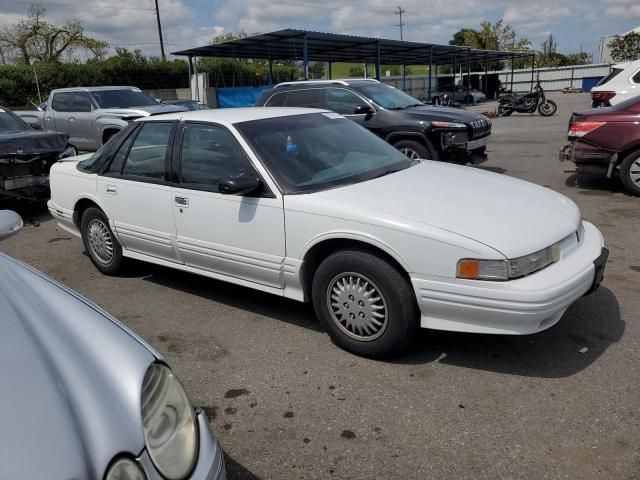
(310, 206)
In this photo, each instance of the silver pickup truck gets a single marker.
(92, 115)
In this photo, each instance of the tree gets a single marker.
(548, 55)
(625, 48)
(34, 39)
(466, 37)
(316, 70)
(501, 36)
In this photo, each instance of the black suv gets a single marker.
(420, 131)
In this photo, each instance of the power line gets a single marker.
(400, 11)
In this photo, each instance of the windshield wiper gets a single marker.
(387, 172)
(415, 105)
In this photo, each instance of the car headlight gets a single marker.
(69, 151)
(477, 269)
(125, 469)
(169, 423)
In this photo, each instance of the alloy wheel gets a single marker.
(410, 153)
(357, 306)
(100, 241)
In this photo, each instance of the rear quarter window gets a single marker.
(614, 72)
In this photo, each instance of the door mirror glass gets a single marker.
(36, 126)
(10, 223)
(239, 185)
(363, 110)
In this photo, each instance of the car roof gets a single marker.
(95, 89)
(233, 115)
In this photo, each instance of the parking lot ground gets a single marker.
(287, 404)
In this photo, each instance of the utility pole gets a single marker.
(400, 11)
(160, 31)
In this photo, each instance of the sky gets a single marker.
(188, 23)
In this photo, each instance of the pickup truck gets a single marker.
(92, 115)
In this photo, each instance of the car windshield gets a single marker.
(123, 98)
(313, 152)
(387, 96)
(10, 123)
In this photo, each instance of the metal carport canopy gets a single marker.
(290, 44)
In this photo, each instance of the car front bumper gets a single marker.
(210, 463)
(517, 307)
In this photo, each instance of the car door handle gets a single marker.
(48, 119)
(182, 201)
(72, 119)
(111, 189)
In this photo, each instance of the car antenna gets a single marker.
(37, 84)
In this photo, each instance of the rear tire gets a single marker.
(416, 150)
(630, 173)
(366, 305)
(503, 111)
(100, 243)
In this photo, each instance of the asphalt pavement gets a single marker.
(285, 403)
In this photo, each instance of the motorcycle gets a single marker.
(527, 103)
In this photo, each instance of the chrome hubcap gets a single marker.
(634, 172)
(411, 154)
(100, 241)
(357, 306)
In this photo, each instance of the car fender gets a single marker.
(405, 133)
(357, 236)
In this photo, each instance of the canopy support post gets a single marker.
(305, 58)
(512, 67)
(430, 67)
(468, 76)
(270, 72)
(486, 74)
(533, 66)
(378, 60)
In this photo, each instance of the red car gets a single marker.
(606, 140)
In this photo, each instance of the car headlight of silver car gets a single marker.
(479, 269)
(69, 151)
(169, 423)
(125, 469)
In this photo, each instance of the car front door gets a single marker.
(345, 102)
(81, 122)
(239, 236)
(136, 192)
(57, 114)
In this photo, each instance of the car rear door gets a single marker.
(238, 236)
(136, 191)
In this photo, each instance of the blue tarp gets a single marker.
(233, 97)
(589, 82)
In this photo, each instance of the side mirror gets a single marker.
(238, 185)
(363, 110)
(10, 223)
(36, 126)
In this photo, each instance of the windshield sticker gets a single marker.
(332, 115)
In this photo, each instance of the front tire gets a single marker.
(504, 111)
(366, 305)
(100, 243)
(415, 150)
(547, 108)
(630, 173)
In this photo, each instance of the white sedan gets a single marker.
(307, 205)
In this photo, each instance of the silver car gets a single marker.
(460, 95)
(83, 397)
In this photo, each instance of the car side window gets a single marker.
(62, 101)
(343, 101)
(81, 102)
(210, 153)
(147, 155)
(310, 98)
(277, 100)
(118, 159)
(636, 78)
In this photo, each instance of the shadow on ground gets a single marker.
(235, 471)
(596, 185)
(265, 304)
(583, 334)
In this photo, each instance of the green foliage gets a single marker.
(548, 56)
(491, 36)
(625, 48)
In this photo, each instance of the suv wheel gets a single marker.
(366, 305)
(630, 172)
(416, 150)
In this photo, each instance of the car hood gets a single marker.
(445, 114)
(32, 142)
(71, 380)
(509, 215)
(143, 111)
